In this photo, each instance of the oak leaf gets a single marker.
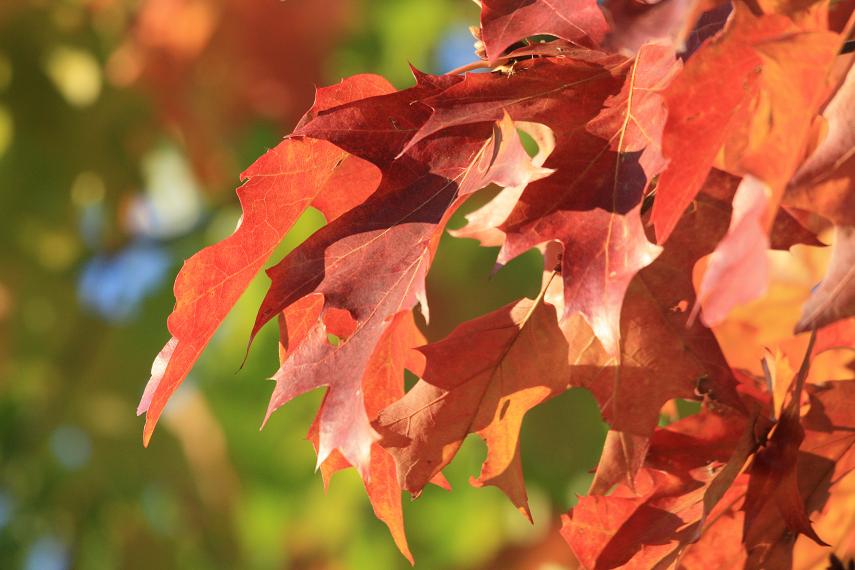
(755, 87)
(662, 356)
(825, 461)
(383, 384)
(690, 466)
(371, 262)
(278, 188)
(738, 270)
(486, 389)
(505, 22)
(632, 23)
(592, 210)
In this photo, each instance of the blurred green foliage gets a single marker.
(105, 186)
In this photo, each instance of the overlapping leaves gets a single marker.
(716, 140)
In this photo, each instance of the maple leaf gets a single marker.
(485, 390)
(373, 266)
(505, 22)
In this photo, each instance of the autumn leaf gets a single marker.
(690, 465)
(486, 389)
(592, 211)
(505, 22)
(834, 298)
(738, 270)
(680, 495)
(383, 384)
(774, 469)
(769, 136)
(596, 527)
(662, 356)
(279, 186)
(755, 87)
(824, 461)
(633, 23)
(839, 335)
(483, 224)
(825, 183)
(722, 155)
(373, 267)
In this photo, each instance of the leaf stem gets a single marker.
(468, 67)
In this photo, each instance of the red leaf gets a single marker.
(483, 224)
(279, 186)
(486, 389)
(633, 23)
(755, 88)
(372, 261)
(383, 384)
(504, 22)
(602, 253)
(662, 358)
(738, 270)
(825, 457)
(715, 148)
(774, 470)
(839, 335)
(591, 210)
(691, 464)
(351, 89)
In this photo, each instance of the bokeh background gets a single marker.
(124, 126)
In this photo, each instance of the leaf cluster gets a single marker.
(667, 134)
